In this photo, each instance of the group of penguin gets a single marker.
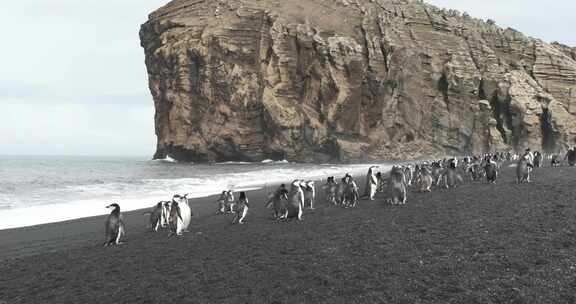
(290, 203)
(174, 215)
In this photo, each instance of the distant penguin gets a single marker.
(278, 201)
(450, 176)
(491, 169)
(309, 193)
(221, 202)
(185, 211)
(371, 183)
(114, 226)
(157, 216)
(538, 159)
(554, 160)
(230, 202)
(348, 192)
(425, 179)
(330, 191)
(397, 186)
(295, 205)
(175, 222)
(571, 157)
(167, 208)
(523, 170)
(241, 209)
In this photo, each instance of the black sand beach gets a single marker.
(479, 243)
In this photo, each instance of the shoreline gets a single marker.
(200, 183)
(85, 231)
(477, 243)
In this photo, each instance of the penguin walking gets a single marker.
(180, 215)
(278, 201)
(157, 216)
(241, 209)
(175, 222)
(295, 204)
(114, 227)
(186, 212)
(371, 183)
(491, 169)
(309, 193)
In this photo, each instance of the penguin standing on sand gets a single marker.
(157, 216)
(371, 183)
(114, 226)
(175, 222)
(241, 209)
(295, 206)
(186, 212)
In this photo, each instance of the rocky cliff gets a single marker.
(347, 80)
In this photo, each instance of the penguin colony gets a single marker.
(290, 203)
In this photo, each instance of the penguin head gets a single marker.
(114, 207)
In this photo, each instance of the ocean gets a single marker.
(44, 189)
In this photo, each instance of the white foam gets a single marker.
(92, 199)
(166, 159)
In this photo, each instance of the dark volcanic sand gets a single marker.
(479, 243)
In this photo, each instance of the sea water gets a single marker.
(44, 189)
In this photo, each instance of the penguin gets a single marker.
(371, 183)
(408, 174)
(157, 216)
(523, 169)
(309, 193)
(295, 204)
(241, 209)
(425, 179)
(571, 157)
(554, 160)
(114, 226)
(397, 186)
(278, 201)
(175, 222)
(185, 211)
(167, 207)
(350, 195)
(451, 176)
(491, 170)
(436, 170)
(221, 202)
(538, 159)
(230, 202)
(330, 191)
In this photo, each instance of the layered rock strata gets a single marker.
(350, 80)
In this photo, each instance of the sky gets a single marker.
(73, 79)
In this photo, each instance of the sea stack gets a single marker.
(342, 80)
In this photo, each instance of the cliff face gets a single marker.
(343, 80)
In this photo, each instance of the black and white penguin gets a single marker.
(157, 216)
(114, 226)
(241, 209)
(371, 183)
(175, 223)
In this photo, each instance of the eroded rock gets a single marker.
(333, 80)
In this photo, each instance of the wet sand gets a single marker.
(479, 243)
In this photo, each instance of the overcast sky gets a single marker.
(73, 80)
